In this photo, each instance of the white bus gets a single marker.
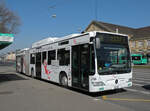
(89, 61)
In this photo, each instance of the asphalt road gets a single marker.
(136, 97)
(22, 93)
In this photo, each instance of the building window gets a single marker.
(133, 44)
(140, 44)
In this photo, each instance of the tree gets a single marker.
(9, 21)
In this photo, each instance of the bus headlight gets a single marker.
(129, 80)
(98, 83)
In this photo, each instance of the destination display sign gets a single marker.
(114, 39)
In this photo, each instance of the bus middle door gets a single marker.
(38, 65)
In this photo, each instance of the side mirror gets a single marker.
(98, 43)
(91, 40)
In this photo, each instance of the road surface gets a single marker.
(22, 93)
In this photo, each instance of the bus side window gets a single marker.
(51, 56)
(32, 59)
(67, 57)
(63, 57)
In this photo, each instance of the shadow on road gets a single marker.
(147, 87)
(110, 92)
(10, 77)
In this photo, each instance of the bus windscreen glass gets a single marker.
(113, 56)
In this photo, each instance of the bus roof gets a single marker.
(19, 52)
(44, 41)
(53, 39)
(57, 39)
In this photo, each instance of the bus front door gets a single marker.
(80, 66)
(38, 65)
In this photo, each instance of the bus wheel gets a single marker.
(63, 80)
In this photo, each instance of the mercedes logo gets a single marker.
(116, 81)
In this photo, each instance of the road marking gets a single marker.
(125, 99)
(134, 90)
(138, 84)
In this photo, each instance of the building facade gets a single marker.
(139, 39)
(11, 56)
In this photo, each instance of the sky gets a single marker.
(72, 16)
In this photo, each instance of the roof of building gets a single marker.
(143, 32)
(135, 33)
(5, 40)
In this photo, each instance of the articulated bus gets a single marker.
(139, 59)
(88, 61)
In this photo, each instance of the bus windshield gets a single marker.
(113, 56)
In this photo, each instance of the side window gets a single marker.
(63, 57)
(51, 56)
(144, 56)
(43, 56)
(32, 58)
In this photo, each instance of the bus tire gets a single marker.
(63, 79)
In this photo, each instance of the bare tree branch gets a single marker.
(9, 21)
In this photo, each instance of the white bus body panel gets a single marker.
(22, 65)
(53, 73)
(27, 62)
(18, 64)
(109, 82)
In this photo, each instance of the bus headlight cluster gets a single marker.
(98, 83)
(130, 80)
